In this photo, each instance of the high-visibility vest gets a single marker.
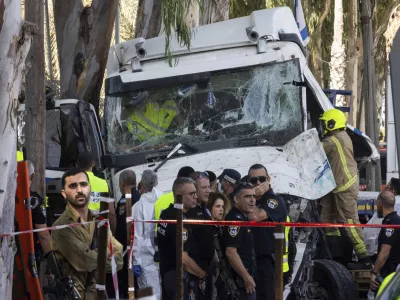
(163, 202)
(97, 186)
(154, 121)
(385, 282)
(20, 156)
(286, 254)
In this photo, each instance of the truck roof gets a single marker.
(231, 33)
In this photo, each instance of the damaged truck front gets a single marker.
(243, 94)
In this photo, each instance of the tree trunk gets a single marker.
(369, 84)
(352, 56)
(15, 40)
(148, 19)
(214, 11)
(83, 41)
(338, 54)
(35, 107)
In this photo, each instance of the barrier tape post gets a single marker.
(102, 252)
(130, 230)
(145, 294)
(279, 234)
(179, 246)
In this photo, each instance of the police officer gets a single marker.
(43, 244)
(203, 235)
(269, 207)
(127, 185)
(388, 240)
(166, 237)
(238, 241)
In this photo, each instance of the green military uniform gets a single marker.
(99, 187)
(72, 247)
(340, 206)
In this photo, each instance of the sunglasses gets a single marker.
(201, 175)
(261, 179)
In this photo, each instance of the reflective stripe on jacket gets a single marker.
(286, 254)
(154, 121)
(339, 150)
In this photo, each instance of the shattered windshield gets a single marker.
(257, 101)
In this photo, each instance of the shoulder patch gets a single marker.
(233, 230)
(185, 235)
(121, 210)
(43, 208)
(272, 203)
(389, 232)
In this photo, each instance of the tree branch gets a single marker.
(384, 23)
(324, 14)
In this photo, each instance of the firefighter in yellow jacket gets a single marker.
(151, 119)
(340, 206)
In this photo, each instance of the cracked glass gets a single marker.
(253, 102)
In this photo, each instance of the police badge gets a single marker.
(184, 235)
(389, 232)
(233, 230)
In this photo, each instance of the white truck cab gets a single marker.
(242, 94)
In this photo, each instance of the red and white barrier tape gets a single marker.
(210, 222)
(265, 224)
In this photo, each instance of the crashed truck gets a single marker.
(243, 94)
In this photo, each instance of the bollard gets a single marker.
(179, 247)
(279, 251)
(130, 236)
(102, 255)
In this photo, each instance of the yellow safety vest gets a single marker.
(385, 282)
(163, 202)
(97, 186)
(20, 156)
(286, 254)
(154, 121)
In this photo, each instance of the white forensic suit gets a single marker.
(143, 246)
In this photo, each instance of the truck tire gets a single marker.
(334, 279)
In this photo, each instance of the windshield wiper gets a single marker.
(177, 147)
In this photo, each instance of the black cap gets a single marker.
(230, 175)
(211, 176)
(185, 171)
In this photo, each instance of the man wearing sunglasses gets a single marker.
(238, 242)
(203, 235)
(269, 207)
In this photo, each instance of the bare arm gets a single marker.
(237, 265)
(382, 257)
(190, 266)
(44, 239)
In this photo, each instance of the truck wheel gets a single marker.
(333, 281)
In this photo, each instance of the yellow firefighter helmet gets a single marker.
(333, 119)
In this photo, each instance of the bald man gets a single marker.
(388, 240)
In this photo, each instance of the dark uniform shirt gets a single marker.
(166, 238)
(390, 236)
(203, 236)
(264, 240)
(120, 212)
(240, 238)
(38, 216)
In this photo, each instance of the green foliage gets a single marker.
(174, 14)
(241, 8)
